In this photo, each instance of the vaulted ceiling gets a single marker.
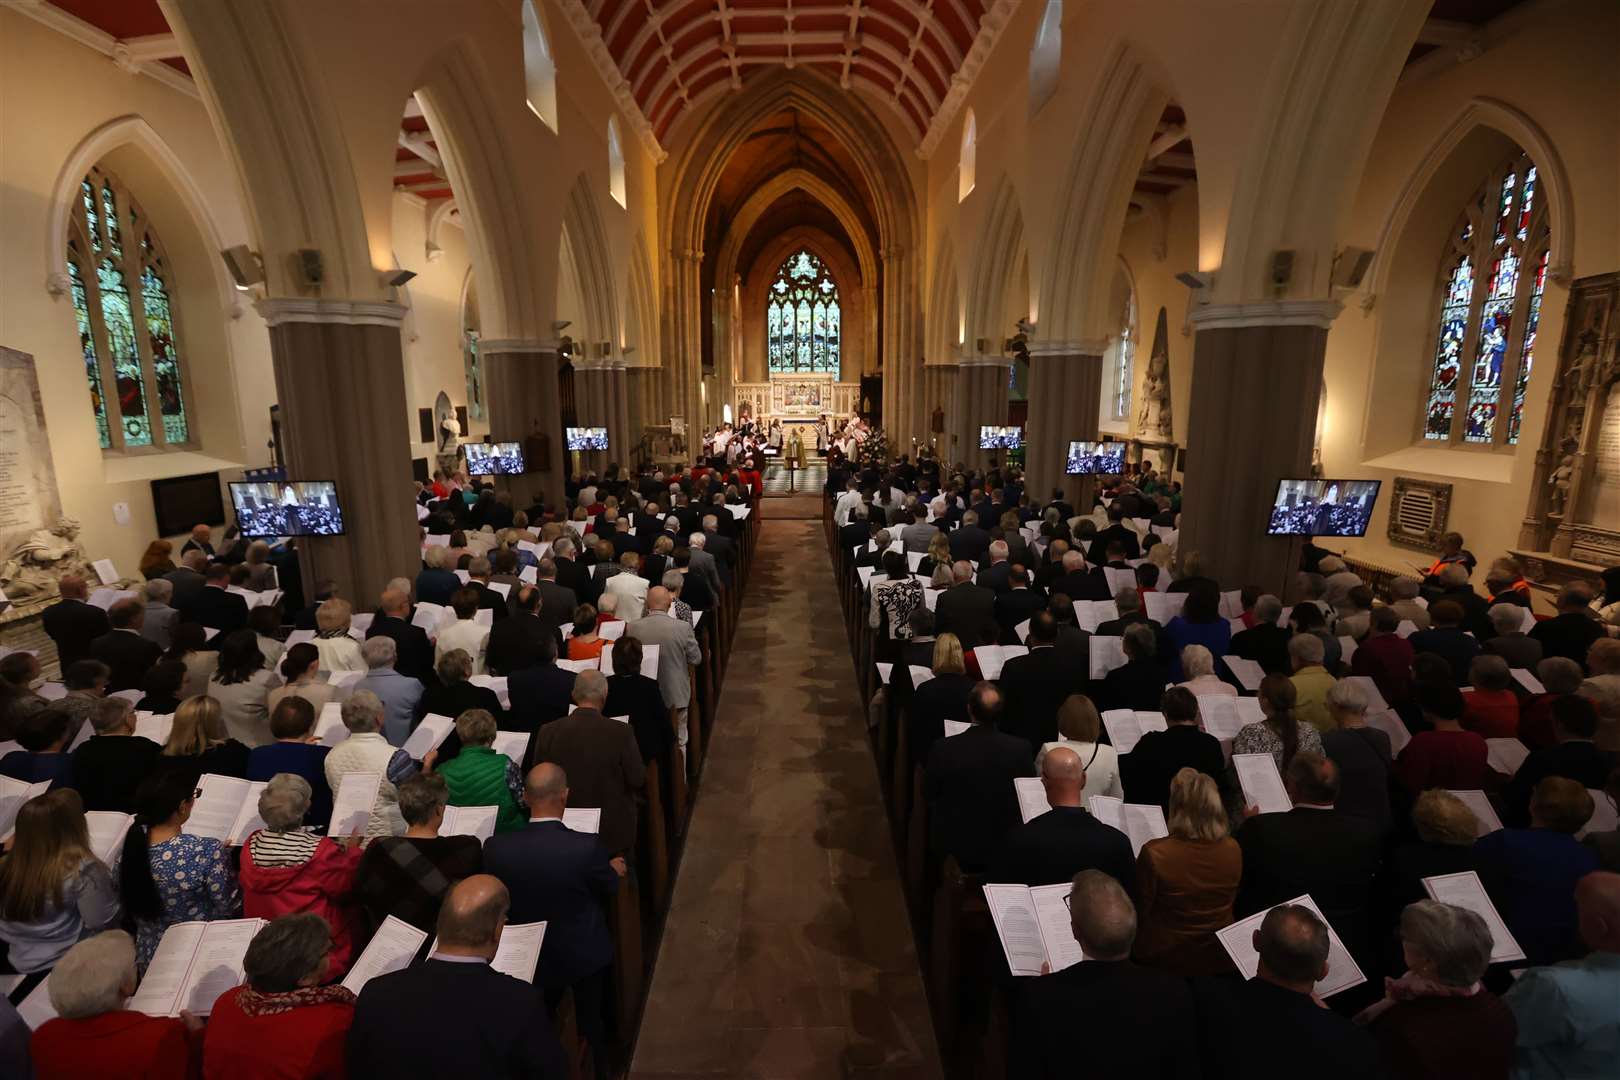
(905, 54)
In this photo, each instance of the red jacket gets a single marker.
(125, 1044)
(323, 885)
(304, 1043)
(1494, 714)
(1387, 660)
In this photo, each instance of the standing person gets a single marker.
(407, 876)
(1186, 881)
(1362, 755)
(297, 751)
(241, 685)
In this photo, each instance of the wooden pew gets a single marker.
(654, 836)
(624, 924)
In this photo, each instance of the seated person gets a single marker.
(407, 876)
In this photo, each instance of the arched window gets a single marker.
(802, 317)
(1124, 357)
(615, 163)
(1045, 55)
(970, 153)
(539, 70)
(122, 301)
(1492, 276)
(472, 364)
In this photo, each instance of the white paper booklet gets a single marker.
(1375, 700)
(1465, 890)
(586, 819)
(1140, 822)
(919, 674)
(1031, 797)
(649, 660)
(514, 744)
(1527, 680)
(993, 657)
(1483, 811)
(1231, 605)
(228, 809)
(476, 821)
(1161, 607)
(955, 727)
(496, 683)
(1390, 723)
(1262, 783)
(519, 950)
(194, 964)
(432, 731)
(107, 830)
(1248, 672)
(352, 803)
(1118, 579)
(1126, 728)
(1342, 972)
(1033, 925)
(391, 949)
(329, 729)
(1506, 755)
(36, 1008)
(13, 793)
(1107, 653)
(1224, 715)
(1090, 614)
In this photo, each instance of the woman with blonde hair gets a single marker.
(1080, 729)
(53, 890)
(1186, 882)
(941, 698)
(339, 651)
(1161, 556)
(198, 741)
(938, 555)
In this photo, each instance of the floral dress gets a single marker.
(195, 881)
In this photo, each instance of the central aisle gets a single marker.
(787, 952)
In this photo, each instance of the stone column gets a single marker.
(1065, 388)
(938, 392)
(683, 360)
(1257, 376)
(521, 375)
(981, 399)
(596, 384)
(340, 381)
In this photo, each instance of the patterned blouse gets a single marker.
(897, 600)
(1260, 739)
(196, 882)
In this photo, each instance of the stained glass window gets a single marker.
(802, 317)
(1125, 353)
(1489, 311)
(124, 310)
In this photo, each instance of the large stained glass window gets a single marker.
(1494, 270)
(802, 317)
(124, 310)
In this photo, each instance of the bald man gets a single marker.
(412, 648)
(601, 757)
(73, 623)
(1067, 839)
(1569, 1013)
(677, 648)
(462, 1017)
(563, 878)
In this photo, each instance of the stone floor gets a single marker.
(787, 952)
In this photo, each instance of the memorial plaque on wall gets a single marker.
(1606, 470)
(29, 500)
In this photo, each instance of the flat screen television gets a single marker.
(491, 459)
(586, 438)
(288, 508)
(1096, 459)
(1322, 507)
(1000, 438)
(179, 502)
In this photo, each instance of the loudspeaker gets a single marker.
(1350, 266)
(396, 278)
(243, 265)
(1282, 269)
(311, 266)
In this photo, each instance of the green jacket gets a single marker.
(478, 777)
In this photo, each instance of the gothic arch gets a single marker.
(582, 224)
(1001, 249)
(946, 316)
(641, 309)
(845, 271)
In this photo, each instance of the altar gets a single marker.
(802, 397)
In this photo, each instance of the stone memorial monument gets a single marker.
(38, 545)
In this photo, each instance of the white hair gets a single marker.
(697, 540)
(91, 977)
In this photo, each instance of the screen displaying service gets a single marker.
(1323, 507)
(488, 459)
(1096, 459)
(1001, 438)
(586, 438)
(288, 508)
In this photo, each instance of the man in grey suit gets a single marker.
(920, 532)
(160, 616)
(677, 648)
(187, 578)
(398, 693)
(703, 564)
(966, 610)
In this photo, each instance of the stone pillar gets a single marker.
(521, 375)
(938, 392)
(1257, 376)
(981, 400)
(683, 361)
(340, 382)
(596, 385)
(1065, 388)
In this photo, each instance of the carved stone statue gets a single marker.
(33, 568)
(1154, 418)
(1560, 481)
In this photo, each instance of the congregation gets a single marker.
(1374, 831)
(361, 801)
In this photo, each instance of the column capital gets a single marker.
(494, 346)
(301, 309)
(1300, 312)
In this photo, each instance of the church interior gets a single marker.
(1331, 285)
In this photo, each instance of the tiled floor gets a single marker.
(788, 953)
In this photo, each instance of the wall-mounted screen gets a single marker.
(586, 438)
(1096, 459)
(1323, 507)
(288, 508)
(179, 502)
(1000, 438)
(489, 459)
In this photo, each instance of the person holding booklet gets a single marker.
(1058, 844)
(296, 750)
(44, 737)
(110, 766)
(1106, 1016)
(601, 756)
(366, 751)
(1186, 882)
(1281, 734)
(1437, 1021)
(301, 670)
(1531, 872)
(282, 1023)
(167, 875)
(632, 694)
(479, 774)
(1080, 730)
(1150, 767)
(286, 870)
(968, 782)
(938, 699)
(53, 889)
(406, 877)
(455, 1015)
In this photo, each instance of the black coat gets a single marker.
(487, 1024)
(1052, 848)
(560, 877)
(1105, 1019)
(1033, 688)
(216, 608)
(944, 697)
(1331, 856)
(129, 655)
(969, 542)
(73, 625)
(519, 642)
(1016, 606)
(1147, 770)
(415, 651)
(1098, 553)
(575, 575)
(968, 611)
(969, 787)
(539, 694)
(1266, 644)
(1254, 1029)
(1138, 685)
(1568, 635)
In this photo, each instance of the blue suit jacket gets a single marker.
(563, 877)
(539, 694)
